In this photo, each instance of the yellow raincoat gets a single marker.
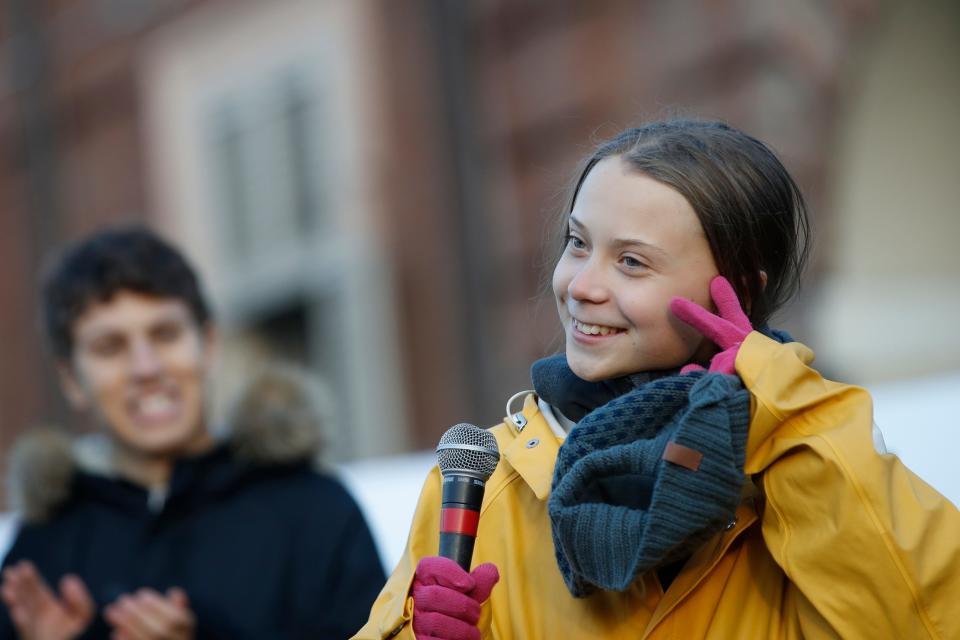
(831, 540)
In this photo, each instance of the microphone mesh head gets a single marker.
(465, 447)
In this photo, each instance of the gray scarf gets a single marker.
(646, 477)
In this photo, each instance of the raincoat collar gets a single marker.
(532, 446)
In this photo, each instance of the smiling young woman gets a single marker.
(681, 470)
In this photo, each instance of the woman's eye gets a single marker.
(633, 263)
(575, 243)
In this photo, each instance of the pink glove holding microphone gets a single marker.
(447, 599)
(727, 331)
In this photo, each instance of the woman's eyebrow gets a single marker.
(621, 243)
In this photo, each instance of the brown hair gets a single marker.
(750, 208)
(112, 260)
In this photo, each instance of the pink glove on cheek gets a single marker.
(447, 599)
(727, 331)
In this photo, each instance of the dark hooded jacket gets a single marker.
(263, 545)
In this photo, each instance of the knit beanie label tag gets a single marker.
(683, 456)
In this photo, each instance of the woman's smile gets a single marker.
(595, 330)
(633, 245)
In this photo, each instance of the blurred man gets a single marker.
(154, 530)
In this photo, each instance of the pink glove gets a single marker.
(447, 599)
(728, 330)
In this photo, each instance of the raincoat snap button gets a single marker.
(531, 443)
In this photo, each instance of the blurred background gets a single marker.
(365, 184)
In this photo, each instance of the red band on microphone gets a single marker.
(463, 521)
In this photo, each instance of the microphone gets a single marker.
(467, 456)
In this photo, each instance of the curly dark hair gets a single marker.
(107, 262)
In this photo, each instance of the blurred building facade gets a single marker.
(365, 185)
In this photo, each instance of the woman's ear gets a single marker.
(747, 303)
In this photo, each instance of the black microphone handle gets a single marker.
(457, 547)
(460, 512)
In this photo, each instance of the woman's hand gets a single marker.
(447, 599)
(149, 615)
(40, 614)
(727, 331)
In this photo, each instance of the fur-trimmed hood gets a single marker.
(278, 420)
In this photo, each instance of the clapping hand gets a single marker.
(149, 615)
(40, 614)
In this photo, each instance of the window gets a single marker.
(255, 133)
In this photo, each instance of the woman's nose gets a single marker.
(589, 283)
